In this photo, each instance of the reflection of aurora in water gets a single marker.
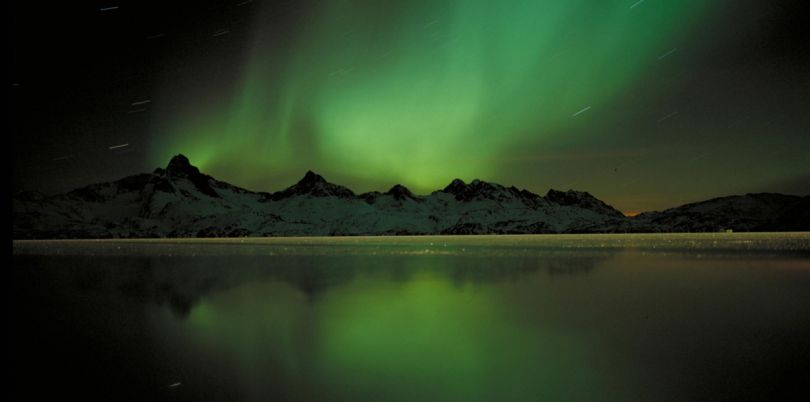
(389, 319)
(179, 273)
(181, 282)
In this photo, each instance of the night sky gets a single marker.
(647, 104)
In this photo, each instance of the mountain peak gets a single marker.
(581, 199)
(179, 159)
(568, 197)
(400, 192)
(314, 185)
(479, 189)
(311, 178)
(179, 165)
(455, 187)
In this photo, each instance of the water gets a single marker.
(508, 318)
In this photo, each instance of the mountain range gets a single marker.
(180, 201)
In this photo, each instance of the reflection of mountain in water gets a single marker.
(181, 282)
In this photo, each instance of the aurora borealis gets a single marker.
(646, 104)
(440, 89)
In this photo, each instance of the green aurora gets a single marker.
(537, 94)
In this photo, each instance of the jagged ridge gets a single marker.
(180, 201)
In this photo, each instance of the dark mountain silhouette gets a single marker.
(582, 199)
(179, 166)
(180, 201)
(314, 185)
(750, 212)
(400, 193)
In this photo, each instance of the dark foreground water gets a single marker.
(524, 318)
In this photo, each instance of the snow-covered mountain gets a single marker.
(179, 201)
(741, 213)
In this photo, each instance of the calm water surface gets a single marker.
(509, 318)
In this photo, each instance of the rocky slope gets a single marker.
(180, 201)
